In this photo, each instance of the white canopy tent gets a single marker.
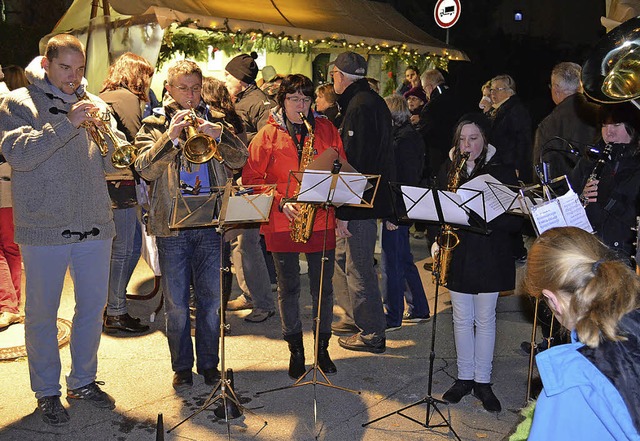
(111, 27)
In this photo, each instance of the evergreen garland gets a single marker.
(195, 45)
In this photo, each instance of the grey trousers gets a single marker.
(355, 282)
(251, 269)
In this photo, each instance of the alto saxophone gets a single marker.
(302, 225)
(448, 238)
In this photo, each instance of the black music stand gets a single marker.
(433, 199)
(224, 207)
(326, 188)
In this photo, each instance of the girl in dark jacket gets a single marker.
(482, 265)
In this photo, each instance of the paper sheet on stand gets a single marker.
(421, 205)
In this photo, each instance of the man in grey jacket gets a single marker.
(190, 255)
(63, 219)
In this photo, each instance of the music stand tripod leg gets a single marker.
(431, 402)
(224, 384)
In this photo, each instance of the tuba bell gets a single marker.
(611, 74)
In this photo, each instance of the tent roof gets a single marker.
(352, 20)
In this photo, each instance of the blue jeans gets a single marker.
(355, 281)
(251, 269)
(125, 254)
(191, 257)
(45, 268)
(401, 272)
(288, 271)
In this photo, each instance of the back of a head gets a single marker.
(432, 77)
(61, 42)
(327, 92)
(131, 71)
(15, 77)
(566, 76)
(243, 67)
(599, 288)
(398, 108)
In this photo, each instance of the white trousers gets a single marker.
(474, 329)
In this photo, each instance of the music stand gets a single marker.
(229, 205)
(326, 188)
(440, 208)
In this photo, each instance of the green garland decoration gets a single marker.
(196, 46)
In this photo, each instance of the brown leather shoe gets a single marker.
(123, 322)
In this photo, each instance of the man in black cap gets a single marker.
(252, 273)
(367, 139)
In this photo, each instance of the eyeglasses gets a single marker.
(296, 100)
(497, 89)
(184, 89)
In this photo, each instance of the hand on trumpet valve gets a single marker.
(179, 122)
(590, 192)
(210, 129)
(290, 210)
(83, 113)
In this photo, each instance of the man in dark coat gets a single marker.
(366, 136)
(562, 137)
(437, 120)
(511, 129)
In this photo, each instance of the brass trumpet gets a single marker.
(199, 148)
(124, 154)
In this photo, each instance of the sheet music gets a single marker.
(497, 196)
(316, 187)
(421, 205)
(547, 215)
(573, 211)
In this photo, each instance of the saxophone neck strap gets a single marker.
(295, 130)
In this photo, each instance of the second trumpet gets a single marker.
(124, 154)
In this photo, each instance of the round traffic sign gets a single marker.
(447, 12)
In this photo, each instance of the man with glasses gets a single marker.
(249, 260)
(187, 256)
(511, 131)
(367, 140)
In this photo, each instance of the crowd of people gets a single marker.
(54, 133)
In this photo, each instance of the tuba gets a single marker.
(611, 74)
(124, 154)
(448, 238)
(302, 225)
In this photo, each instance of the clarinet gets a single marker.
(603, 158)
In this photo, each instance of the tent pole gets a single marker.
(107, 27)
(94, 12)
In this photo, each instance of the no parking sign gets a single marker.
(446, 13)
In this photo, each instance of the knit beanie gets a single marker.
(243, 67)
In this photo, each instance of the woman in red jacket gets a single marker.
(274, 152)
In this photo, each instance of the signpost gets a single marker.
(446, 14)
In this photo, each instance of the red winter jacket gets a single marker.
(272, 155)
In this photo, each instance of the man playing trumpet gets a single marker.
(187, 256)
(63, 219)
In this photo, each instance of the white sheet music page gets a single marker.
(547, 215)
(573, 211)
(420, 205)
(497, 196)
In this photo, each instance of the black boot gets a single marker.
(489, 400)
(296, 362)
(324, 362)
(459, 389)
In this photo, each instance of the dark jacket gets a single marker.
(485, 262)
(408, 150)
(512, 136)
(437, 120)
(614, 213)
(253, 106)
(575, 120)
(367, 140)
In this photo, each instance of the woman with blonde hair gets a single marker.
(591, 386)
